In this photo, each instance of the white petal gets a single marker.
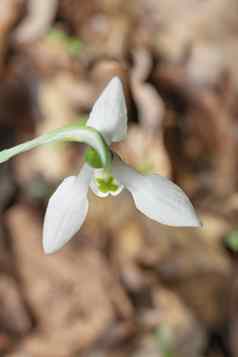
(109, 115)
(156, 196)
(66, 211)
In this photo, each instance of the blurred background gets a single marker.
(124, 286)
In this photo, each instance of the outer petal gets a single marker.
(156, 197)
(109, 115)
(66, 211)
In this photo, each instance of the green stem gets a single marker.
(73, 133)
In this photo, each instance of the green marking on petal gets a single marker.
(107, 184)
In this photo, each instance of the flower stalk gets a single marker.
(72, 133)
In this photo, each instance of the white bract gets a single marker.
(155, 196)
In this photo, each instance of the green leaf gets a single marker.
(75, 132)
(56, 35)
(232, 240)
(72, 44)
(162, 334)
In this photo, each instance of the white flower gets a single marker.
(155, 196)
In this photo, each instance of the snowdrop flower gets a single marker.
(155, 196)
(105, 174)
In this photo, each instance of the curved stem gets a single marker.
(81, 134)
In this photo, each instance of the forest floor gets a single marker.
(124, 286)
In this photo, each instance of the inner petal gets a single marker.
(104, 184)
